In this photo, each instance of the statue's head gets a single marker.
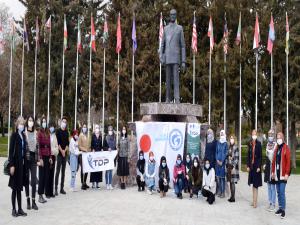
(173, 15)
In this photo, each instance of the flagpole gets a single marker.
(49, 73)
(103, 95)
(225, 87)
(240, 107)
(76, 79)
(132, 88)
(9, 94)
(256, 78)
(209, 88)
(90, 85)
(22, 76)
(194, 66)
(272, 93)
(118, 98)
(287, 99)
(35, 75)
(159, 82)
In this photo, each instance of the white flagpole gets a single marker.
(272, 95)
(287, 99)
(209, 91)
(9, 94)
(90, 86)
(118, 90)
(159, 82)
(103, 96)
(256, 78)
(225, 87)
(194, 72)
(35, 75)
(49, 73)
(62, 81)
(22, 75)
(240, 107)
(76, 80)
(132, 88)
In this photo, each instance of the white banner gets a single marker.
(98, 161)
(163, 139)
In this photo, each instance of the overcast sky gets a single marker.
(15, 8)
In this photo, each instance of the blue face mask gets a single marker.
(141, 157)
(52, 129)
(164, 164)
(188, 160)
(178, 161)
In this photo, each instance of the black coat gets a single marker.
(254, 177)
(19, 179)
(210, 152)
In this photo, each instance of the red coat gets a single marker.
(177, 169)
(44, 144)
(285, 164)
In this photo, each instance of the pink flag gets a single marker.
(256, 39)
(119, 36)
(93, 34)
(210, 34)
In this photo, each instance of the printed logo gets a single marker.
(90, 161)
(176, 139)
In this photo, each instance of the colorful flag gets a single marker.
(105, 33)
(25, 36)
(287, 37)
(256, 39)
(1, 39)
(161, 31)
(133, 36)
(47, 28)
(48, 23)
(210, 34)
(93, 35)
(225, 37)
(194, 36)
(239, 32)
(119, 36)
(271, 37)
(37, 34)
(65, 34)
(79, 43)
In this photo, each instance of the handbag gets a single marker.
(7, 163)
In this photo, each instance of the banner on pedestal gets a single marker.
(193, 139)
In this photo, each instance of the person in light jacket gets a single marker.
(209, 182)
(83, 144)
(74, 152)
(150, 173)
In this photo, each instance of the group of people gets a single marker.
(38, 156)
(45, 152)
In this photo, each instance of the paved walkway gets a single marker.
(131, 207)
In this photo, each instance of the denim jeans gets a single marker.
(281, 195)
(73, 167)
(108, 176)
(221, 181)
(272, 193)
(178, 186)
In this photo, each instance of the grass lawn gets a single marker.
(3, 146)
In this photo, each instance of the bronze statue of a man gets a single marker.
(172, 54)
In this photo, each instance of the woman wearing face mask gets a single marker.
(210, 148)
(150, 173)
(254, 159)
(281, 170)
(209, 182)
(96, 146)
(188, 165)
(54, 153)
(111, 142)
(16, 157)
(270, 148)
(31, 162)
(195, 177)
(221, 153)
(45, 160)
(123, 165)
(178, 176)
(140, 171)
(74, 152)
(232, 165)
(83, 144)
(164, 177)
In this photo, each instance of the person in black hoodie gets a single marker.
(140, 171)
(188, 165)
(164, 177)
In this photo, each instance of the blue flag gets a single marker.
(134, 42)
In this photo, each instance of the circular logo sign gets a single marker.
(176, 139)
(145, 143)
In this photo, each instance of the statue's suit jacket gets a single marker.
(172, 49)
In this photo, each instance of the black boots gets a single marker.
(34, 206)
(56, 193)
(123, 186)
(14, 213)
(21, 213)
(28, 204)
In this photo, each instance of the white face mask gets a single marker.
(232, 141)
(84, 130)
(123, 131)
(30, 124)
(195, 164)
(110, 132)
(21, 127)
(254, 137)
(44, 125)
(63, 125)
(279, 141)
(151, 158)
(271, 139)
(207, 165)
(76, 137)
(97, 130)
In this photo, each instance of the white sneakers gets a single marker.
(109, 187)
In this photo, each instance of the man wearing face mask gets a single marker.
(172, 54)
(62, 136)
(83, 144)
(281, 170)
(111, 142)
(221, 153)
(210, 148)
(254, 159)
(270, 148)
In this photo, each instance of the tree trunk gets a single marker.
(293, 141)
(2, 125)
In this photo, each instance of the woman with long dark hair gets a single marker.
(123, 165)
